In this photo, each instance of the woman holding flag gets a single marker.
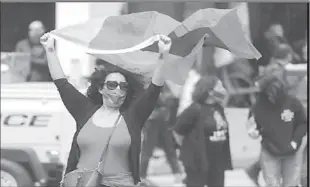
(109, 120)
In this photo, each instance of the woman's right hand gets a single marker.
(47, 41)
(52, 60)
(254, 134)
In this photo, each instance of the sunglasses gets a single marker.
(112, 85)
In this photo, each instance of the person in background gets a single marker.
(282, 55)
(301, 47)
(275, 36)
(100, 64)
(201, 131)
(38, 66)
(157, 133)
(281, 131)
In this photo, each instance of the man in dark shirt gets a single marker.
(38, 68)
(282, 123)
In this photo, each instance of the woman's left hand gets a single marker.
(164, 44)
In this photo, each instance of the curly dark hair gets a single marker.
(203, 87)
(97, 80)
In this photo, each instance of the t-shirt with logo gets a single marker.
(215, 125)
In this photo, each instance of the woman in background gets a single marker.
(202, 132)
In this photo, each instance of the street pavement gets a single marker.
(235, 178)
(159, 173)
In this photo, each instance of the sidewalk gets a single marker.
(235, 178)
(159, 173)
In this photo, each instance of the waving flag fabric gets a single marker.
(130, 41)
(220, 28)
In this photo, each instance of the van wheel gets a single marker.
(14, 175)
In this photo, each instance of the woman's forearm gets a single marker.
(54, 66)
(158, 77)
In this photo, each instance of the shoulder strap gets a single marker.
(104, 152)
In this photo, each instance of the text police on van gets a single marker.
(20, 119)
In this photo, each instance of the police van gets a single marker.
(36, 131)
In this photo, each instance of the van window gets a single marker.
(15, 21)
(15, 67)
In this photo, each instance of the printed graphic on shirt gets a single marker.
(287, 115)
(220, 134)
(220, 122)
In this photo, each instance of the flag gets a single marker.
(130, 42)
(220, 28)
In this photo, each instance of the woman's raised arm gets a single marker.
(164, 45)
(78, 105)
(52, 59)
(145, 104)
